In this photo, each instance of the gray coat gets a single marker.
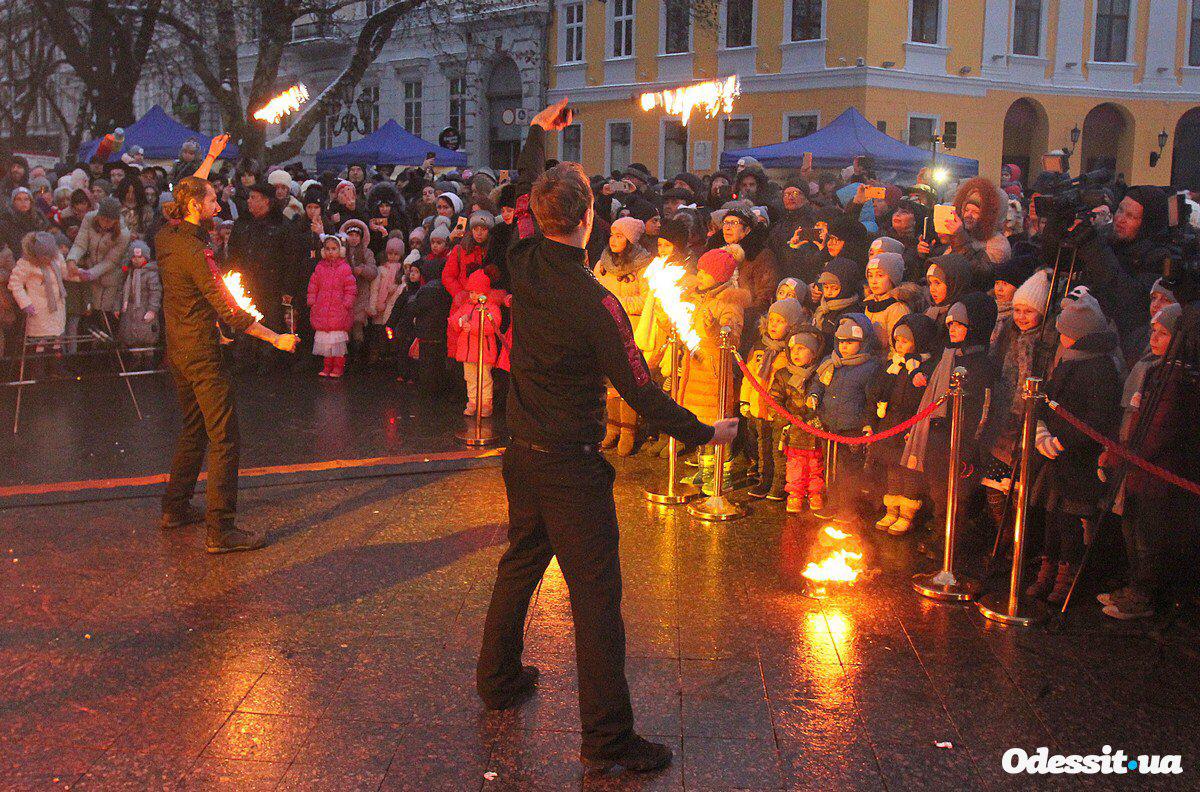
(100, 254)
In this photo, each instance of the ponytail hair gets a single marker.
(189, 188)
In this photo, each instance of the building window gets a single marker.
(735, 134)
(622, 28)
(920, 130)
(675, 148)
(806, 20)
(573, 33)
(1027, 27)
(800, 125)
(412, 107)
(739, 23)
(926, 21)
(677, 16)
(1112, 30)
(458, 108)
(572, 144)
(620, 145)
(373, 7)
(371, 122)
(1194, 36)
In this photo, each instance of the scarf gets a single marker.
(872, 305)
(1003, 314)
(1018, 365)
(829, 306)
(906, 363)
(836, 361)
(771, 350)
(55, 290)
(800, 375)
(917, 443)
(133, 289)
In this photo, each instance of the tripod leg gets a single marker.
(20, 380)
(121, 362)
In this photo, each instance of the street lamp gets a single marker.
(1155, 156)
(1074, 140)
(350, 123)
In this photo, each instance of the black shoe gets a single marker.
(191, 516)
(234, 540)
(777, 495)
(522, 692)
(639, 755)
(761, 490)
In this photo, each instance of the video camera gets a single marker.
(1065, 202)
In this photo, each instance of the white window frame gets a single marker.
(419, 102)
(565, 30)
(943, 12)
(1012, 31)
(1130, 33)
(562, 142)
(610, 38)
(662, 147)
(798, 114)
(1192, 7)
(608, 127)
(460, 99)
(662, 31)
(787, 24)
(723, 27)
(749, 132)
(934, 129)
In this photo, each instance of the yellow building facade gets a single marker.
(1111, 81)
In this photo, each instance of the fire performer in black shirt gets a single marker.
(194, 299)
(570, 334)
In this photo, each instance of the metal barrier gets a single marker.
(479, 435)
(717, 507)
(674, 492)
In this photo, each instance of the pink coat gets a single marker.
(331, 294)
(466, 319)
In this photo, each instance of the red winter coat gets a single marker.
(331, 294)
(467, 350)
(460, 264)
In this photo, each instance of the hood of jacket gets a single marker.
(993, 206)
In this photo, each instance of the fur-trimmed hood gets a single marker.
(993, 205)
(912, 295)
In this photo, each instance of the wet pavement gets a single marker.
(341, 656)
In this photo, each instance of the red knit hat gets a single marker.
(479, 282)
(718, 263)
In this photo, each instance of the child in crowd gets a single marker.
(426, 317)
(36, 284)
(839, 395)
(794, 288)
(385, 290)
(889, 297)
(469, 255)
(790, 388)
(138, 322)
(896, 394)
(947, 279)
(1086, 383)
(466, 319)
(841, 288)
(766, 360)
(362, 264)
(332, 292)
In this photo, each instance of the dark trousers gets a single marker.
(562, 505)
(209, 421)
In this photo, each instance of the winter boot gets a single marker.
(695, 479)
(1062, 583)
(485, 410)
(469, 409)
(906, 509)
(816, 502)
(612, 432)
(795, 504)
(628, 430)
(779, 482)
(1045, 580)
(339, 367)
(328, 367)
(656, 446)
(892, 502)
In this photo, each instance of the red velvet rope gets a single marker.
(1154, 470)
(848, 440)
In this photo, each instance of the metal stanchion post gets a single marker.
(944, 584)
(479, 435)
(717, 507)
(20, 380)
(1013, 607)
(675, 492)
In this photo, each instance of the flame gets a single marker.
(233, 282)
(835, 568)
(663, 280)
(835, 533)
(712, 97)
(286, 103)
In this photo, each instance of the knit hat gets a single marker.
(799, 286)
(482, 218)
(810, 338)
(17, 191)
(629, 227)
(454, 200)
(718, 263)
(279, 176)
(395, 243)
(854, 327)
(789, 308)
(1168, 316)
(140, 246)
(341, 185)
(441, 222)
(1159, 288)
(1153, 201)
(40, 245)
(314, 193)
(440, 232)
(918, 328)
(1015, 270)
(1033, 292)
(479, 282)
(892, 264)
(1081, 315)
(676, 232)
(507, 196)
(109, 208)
(886, 244)
(844, 272)
(977, 311)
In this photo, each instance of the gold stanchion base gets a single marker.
(945, 587)
(485, 437)
(683, 494)
(995, 607)
(716, 508)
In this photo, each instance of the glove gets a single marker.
(30, 310)
(1047, 444)
(1102, 474)
(148, 316)
(867, 431)
(881, 409)
(812, 402)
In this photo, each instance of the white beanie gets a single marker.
(454, 200)
(308, 183)
(1033, 292)
(279, 176)
(629, 227)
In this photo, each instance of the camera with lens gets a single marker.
(1065, 200)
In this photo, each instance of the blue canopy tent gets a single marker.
(848, 136)
(159, 135)
(391, 144)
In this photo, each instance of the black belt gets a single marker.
(557, 448)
